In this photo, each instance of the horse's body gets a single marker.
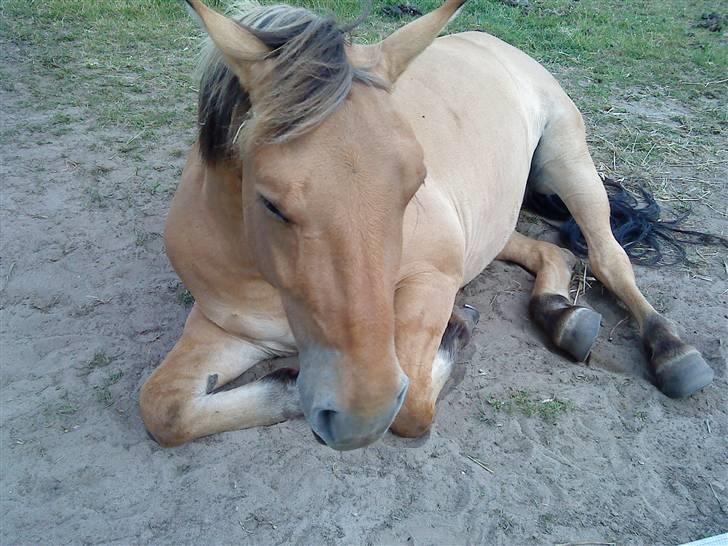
(488, 118)
(471, 115)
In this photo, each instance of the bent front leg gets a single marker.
(427, 337)
(180, 401)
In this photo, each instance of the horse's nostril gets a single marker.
(323, 422)
(348, 430)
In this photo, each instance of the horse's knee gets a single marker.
(414, 419)
(163, 414)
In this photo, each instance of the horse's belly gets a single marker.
(489, 237)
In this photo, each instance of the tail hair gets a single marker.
(635, 219)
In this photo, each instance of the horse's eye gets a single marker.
(274, 210)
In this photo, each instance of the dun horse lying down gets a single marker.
(337, 198)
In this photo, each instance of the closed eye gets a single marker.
(272, 209)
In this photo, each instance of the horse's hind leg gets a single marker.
(562, 165)
(178, 402)
(572, 328)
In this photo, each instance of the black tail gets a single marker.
(636, 224)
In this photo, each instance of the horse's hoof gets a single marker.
(472, 315)
(577, 331)
(573, 329)
(460, 328)
(683, 375)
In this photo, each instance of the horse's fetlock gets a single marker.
(547, 308)
(660, 338)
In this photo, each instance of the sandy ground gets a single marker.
(90, 305)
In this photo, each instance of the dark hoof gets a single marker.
(471, 314)
(460, 328)
(578, 331)
(573, 329)
(683, 375)
(678, 367)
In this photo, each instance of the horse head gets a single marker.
(329, 167)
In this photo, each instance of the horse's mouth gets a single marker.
(355, 444)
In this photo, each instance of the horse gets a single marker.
(337, 198)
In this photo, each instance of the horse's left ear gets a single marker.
(401, 47)
(243, 52)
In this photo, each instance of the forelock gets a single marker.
(310, 78)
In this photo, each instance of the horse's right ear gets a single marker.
(398, 49)
(243, 52)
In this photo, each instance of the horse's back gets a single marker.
(477, 76)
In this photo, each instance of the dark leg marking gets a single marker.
(572, 328)
(284, 380)
(678, 367)
(459, 329)
(284, 375)
(211, 383)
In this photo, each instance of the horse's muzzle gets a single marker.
(344, 431)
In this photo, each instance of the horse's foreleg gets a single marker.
(572, 328)
(428, 335)
(178, 402)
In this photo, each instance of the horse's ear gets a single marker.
(401, 47)
(243, 52)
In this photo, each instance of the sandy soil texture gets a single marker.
(527, 448)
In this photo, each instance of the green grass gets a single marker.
(66, 408)
(95, 198)
(61, 411)
(99, 360)
(185, 298)
(104, 396)
(650, 82)
(521, 402)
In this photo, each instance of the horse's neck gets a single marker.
(223, 205)
(222, 188)
(205, 240)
